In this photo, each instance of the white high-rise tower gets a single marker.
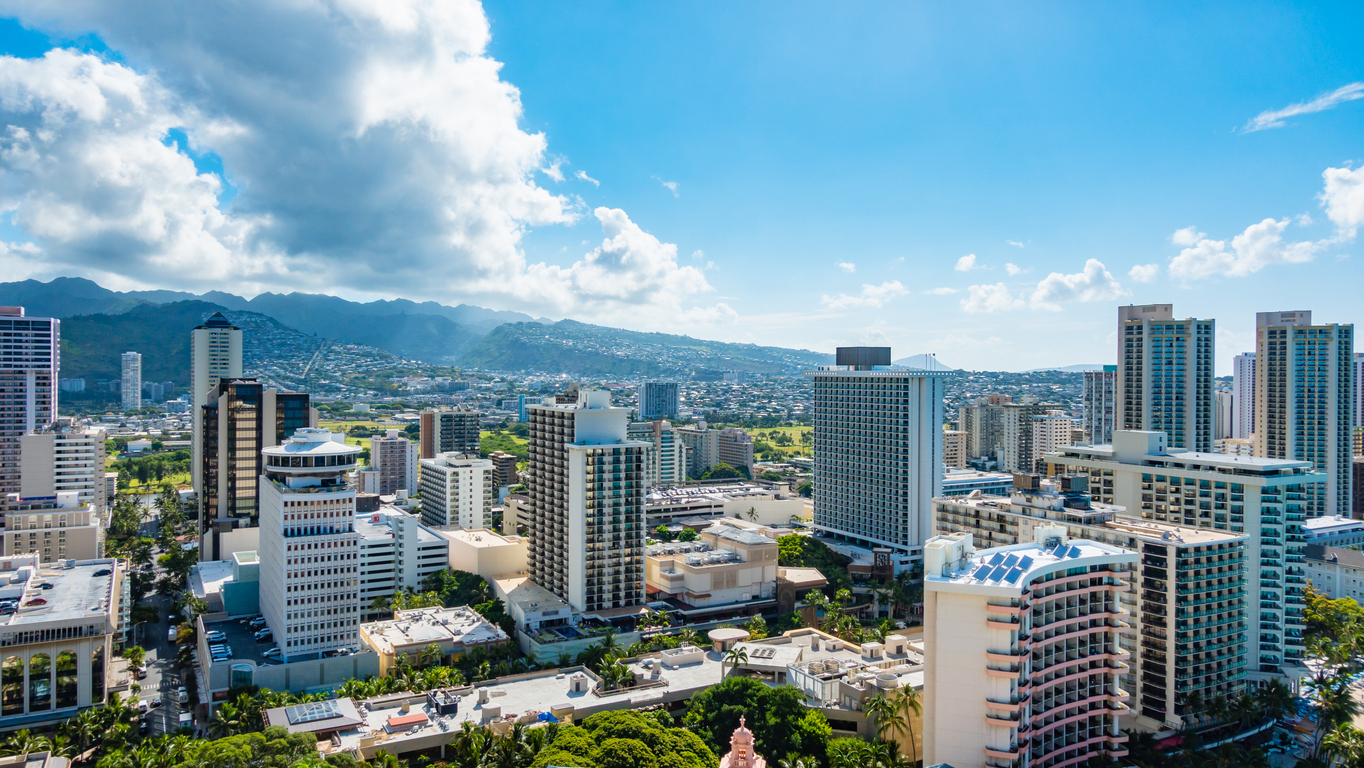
(28, 386)
(215, 354)
(1165, 374)
(132, 381)
(1243, 393)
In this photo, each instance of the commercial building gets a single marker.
(1099, 405)
(1243, 396)
(962, 482)
(396, 552)
(454, 631)
(726, 567)
(878, 450)
(1165, 374)
(457, 490)
(29, 361)
(132, 381)
(666, 464)
(1336, 572)
(1303, 407)
(1021, 654)
(486, 553)
(394, 459)
(658, 400)
(57, 527)
(56, 649)
(58, 458)
(504, 469)
(1266, 498)
(586, 484)
(215, 354)
(309, 548)
(449, 430)
(954, 448)
(764, 504)
(239, 418)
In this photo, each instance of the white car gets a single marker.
(272, 653)
(214, 636)
(142, 706)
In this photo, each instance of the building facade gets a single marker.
(725, 567)
(954, 448)
(1303, 398)
(132, 381)
(394, 457)
(666, 464)
(309, 548)
(59, 458)
(215, 354)
(1165, 374)
(658, 400)
(1050, 432)
(449, 430)
(54, 528)
(29, 362)
(504, 469)
(1100, 405)
(396, 552)
(1243, 396)
(1336, 572)
(457, 491)
(586, 485)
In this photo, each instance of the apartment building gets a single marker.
(1099, 405)
(1268, 499)
(449, 430)
(1050, 432)
(1335, 572)
(215, 354)
(954, 448)
(394, 461)
(396, 552)
(877, 449)
(1303, 399)
(457, 490)
(1165, 374)
(131, 381)
(57, 527)
(1243, 396)
(29, 360)
(658, 400)
(1223, 414)
(707, 447)
(309, 548)
(504, 469)
(1021, 654)
(724, 568)
(666, 463)
(58, 458)
(586, 486)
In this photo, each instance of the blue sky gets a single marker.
(779, 141)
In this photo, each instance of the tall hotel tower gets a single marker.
(878, 450)
(29, 359)
(132, 381)
(1243, 396)
(1303, 398)
(1165, 373)
(1100, 405)
(309, 549)
(586, 485)
(215, 354)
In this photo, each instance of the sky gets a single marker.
(985, 182)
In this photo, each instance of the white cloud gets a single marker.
(1093, 283)
(847, 266)
(1275, 118)
(1014, 270)
(966, 263)
(1014, 243)
(554, 169)
(671, 186)
(698, 254)
(989, 299)
(1187, 236)
(1343, 198)
(1254, 249)
(583, 175)
(941, 291)
(871, 296)
(1144, 273)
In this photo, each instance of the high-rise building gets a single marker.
(29, 361)
(1303, 398)
(1243, 396)
(457, 490)
(1165, 374)
(1266, 498)
(666, 464)
(658, 400)
(707, 447)
(1051, 431)
(60, 457)
(394, 457)
(504, 468)
(954, 448)
(1358, 388)
(1223, 413)
(239, 418)
(396, 552)
(132, 381)
(215, 354)
(1021, 652)
(450, 430)
(877, 449)
(309, 548)
(1100, 405)
(586, 486)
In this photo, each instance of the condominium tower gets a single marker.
(1100, 405)
(215, 354)
(878, 450)
(586, 514)
(1357, 378)
(29, 360)
(447, 430)
(132, 381)
(1243, 396)
(658, 400)
(457, 490)
(394, 458)
(1165, 374)
(59, 458)
(309, 548)
(667, 459)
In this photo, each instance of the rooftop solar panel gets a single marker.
(981, 572)
(997, 558)
(997, 573)
(1074, 552)
(1013, 574)
(1025, 563)
(1010, 561)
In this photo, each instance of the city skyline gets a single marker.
(1122, 167)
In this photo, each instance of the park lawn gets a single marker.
(513, 438)
(343, 426)
(179, 480)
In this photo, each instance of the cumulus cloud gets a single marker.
(941, 291)
(1343, 198)
(1093, 283)
(1187, 236)
(1144, 273)
(871, 296)
(698, 254)
(1251, 251)
(989, 299)
(583, 175)
(966, 263)
(555, 169)
(1274, 118)
(847, 266)
(1014, 270)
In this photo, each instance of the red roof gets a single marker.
(403, 721)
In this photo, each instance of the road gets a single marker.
(163, 677)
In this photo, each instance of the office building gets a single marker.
(29, 361)
(878, 450)
(58, 458)
(586, 484)
(239, 418)
(309, 548)
(394, 458)
(666, 464)
(1303, 397)
(1165, 374)
(1336, 572)
(455, 631)
(1243, 396)
(132, 381)
(1051, 431)
(1357, 492)
(457, 490)
(215, 354)
(1099, 405)
(1021, 654)
(396, 552)
(954, 448)
(658, 400)
(1267, 498)
(58, 655)
(53, 528)
(504, 469)
(449, 430)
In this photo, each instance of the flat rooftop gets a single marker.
(77, 593)
(1011, 566)
(530, 596)
(207, 578)
(1178, 533)
(482, 538)
(424, 626)
(1255, 464)
(1333, 523)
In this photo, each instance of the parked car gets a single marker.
(182, 695)
(214, 636)
(142, 706)
(45, 585)
(256, 623)
(37, 601)
(156, 703)
(144, 727)
(273, 653)
(263, 635)
(103, 572)
(140, 673)
(8, 608)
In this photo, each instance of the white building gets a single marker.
(309, 548)
(1243, 393)
(396, 552)
(658, 400)
(1100, 404)
(1165, 374)
(486, 553)
(1021, 653)
(132, 381)
(878, 450)
(1334, 531)
(54, 528)
(1223, 413)
(1303, 398)
(28, 385)
(60, 458)
(1050, 432)
(215, 354)
(1336, 572)
(457, 490)
(394, 460)
(666, 464)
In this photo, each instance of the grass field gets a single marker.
(343, 426)
(179, 480)
(507, 435)
(768, 435)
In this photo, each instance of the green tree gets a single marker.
(688, 534)
(625, 753)
(777, 716)
(135, 655)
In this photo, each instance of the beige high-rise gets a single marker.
(215, 354)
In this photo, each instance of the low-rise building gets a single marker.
(756, 502)
(1335, 572)
(486, 553)
(454, 631)
(1333, 531)
(726, 567)
(961, 482)
(59, 527)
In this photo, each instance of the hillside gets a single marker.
(92, 344)
(572, 347)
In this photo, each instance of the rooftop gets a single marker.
(738, 535)
(1332, 523)
(482, 538)
(208, 577)
(1348, 557)
(421, 627)
(77, 593)
(1014, 566)
(313, 442)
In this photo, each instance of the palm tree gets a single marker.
(384, 759)
(688, 636)
(1275, 699)
(1244, 709)
(1345, 743)
(734, 657)
(1218, 708)
(796, 762)
(752, 514)
(882, 712)
(609, 644)
(23, 742)
(430, 655)
(227, 721)
(908, 706)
